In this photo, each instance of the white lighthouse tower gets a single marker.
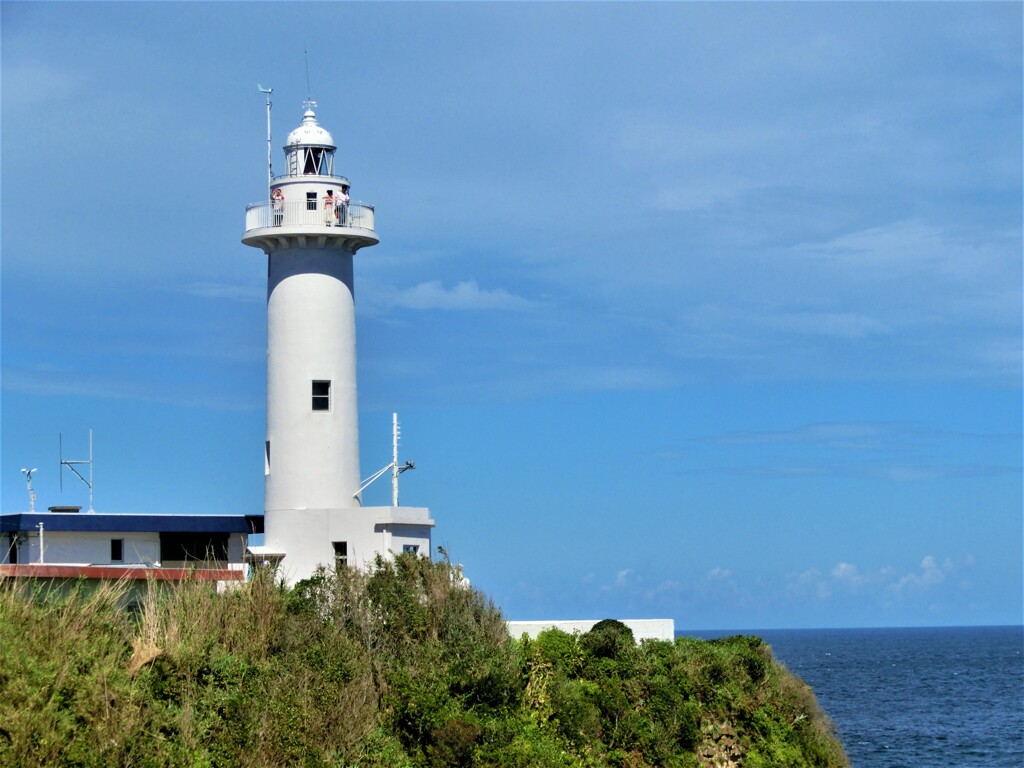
(309, 230)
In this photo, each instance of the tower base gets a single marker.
(350, 537)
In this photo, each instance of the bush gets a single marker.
(402, 667)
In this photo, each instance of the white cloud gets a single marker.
(29, 85)
(466, 295)
(843, 325)
(929, 574)
(847, 573)
(856, 435)
(210, 290)
(608, 378)
(719, 574)
(47, 382)
(926, 252)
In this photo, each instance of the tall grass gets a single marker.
(403, 666)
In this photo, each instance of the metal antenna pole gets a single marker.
(393, 466)
(90, 471)
(70, 464)
(394, 460)
(270, 172)
(309, 94)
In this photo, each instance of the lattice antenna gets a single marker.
(31, 492)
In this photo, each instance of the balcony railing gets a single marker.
(307, 214)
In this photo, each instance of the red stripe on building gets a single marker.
(114, 573)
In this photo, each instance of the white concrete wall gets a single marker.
(306, 536)
(643, 629)
(311, 335)
(90, 548)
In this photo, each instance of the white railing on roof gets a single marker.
(307, 213)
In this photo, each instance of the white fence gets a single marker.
(306, 213)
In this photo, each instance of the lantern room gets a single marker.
(310, 149)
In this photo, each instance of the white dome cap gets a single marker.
(310, 132)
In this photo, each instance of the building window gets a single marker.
(321, 395)
(266, 459)
(411, 549)
(311, 201)
(116, 550)
(340, 554)
(193, 547)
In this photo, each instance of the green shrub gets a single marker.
(401, 667)
(609, 639)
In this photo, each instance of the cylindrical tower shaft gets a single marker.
(312, 421)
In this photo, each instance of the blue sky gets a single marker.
(702, 311)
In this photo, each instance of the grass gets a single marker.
(403, 667)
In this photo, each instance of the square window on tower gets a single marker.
(311, 201)
(321, 395)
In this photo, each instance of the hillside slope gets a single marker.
(402, 667)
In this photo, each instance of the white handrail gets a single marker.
(307, 213)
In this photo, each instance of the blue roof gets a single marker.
(130, 523)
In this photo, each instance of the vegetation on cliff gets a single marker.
(402, 667)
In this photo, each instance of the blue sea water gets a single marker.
(942, 697)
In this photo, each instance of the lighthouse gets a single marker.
(310, 230)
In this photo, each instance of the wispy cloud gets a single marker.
(857, 435)
(46, 381)
(230, 291)
(842, 325)
(463, 296)
(31, 84)
(930, 574)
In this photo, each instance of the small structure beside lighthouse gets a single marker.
(310, 232)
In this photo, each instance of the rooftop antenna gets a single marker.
(393, 466)
(70, 464)
(308, 103)
(270, 172)
(31, 493)
(309, 94)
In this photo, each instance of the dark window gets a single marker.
(312, 165)
(195, 547)
(311, 201)
(116, 550)
(321, 395)
(340, 554)
(13, 551)
(266, 461)
(411, 548)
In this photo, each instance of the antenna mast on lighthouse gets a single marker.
(270, 172)
(393, 466)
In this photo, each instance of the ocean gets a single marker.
(942, 697)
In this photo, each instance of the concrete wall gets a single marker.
(311, 336)
(90, 548)
(307, 536)
(643, 629)
(93, 548)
